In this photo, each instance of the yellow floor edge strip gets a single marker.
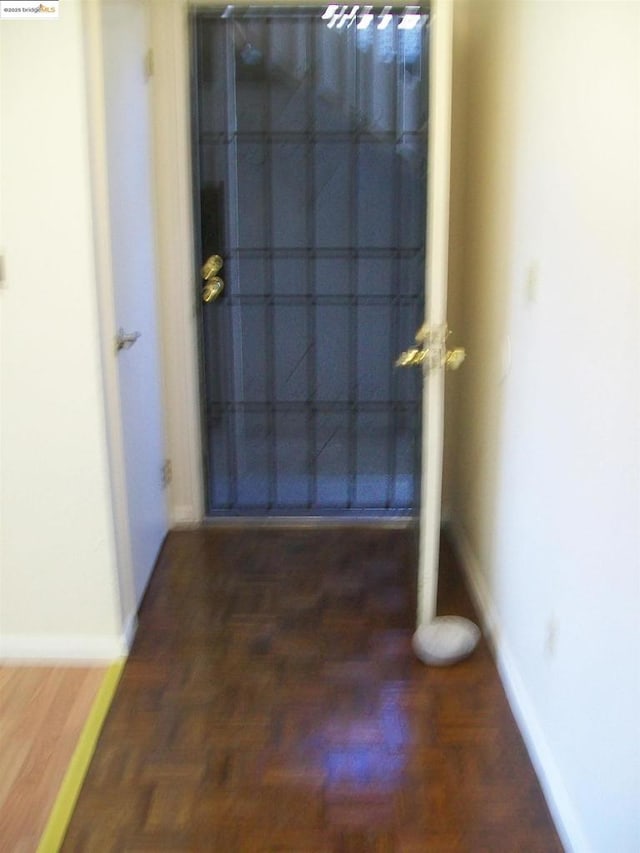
(58, 821)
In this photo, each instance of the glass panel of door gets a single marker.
(309, 131)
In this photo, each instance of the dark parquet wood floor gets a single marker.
(272, 703)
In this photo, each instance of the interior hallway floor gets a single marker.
(272, 702)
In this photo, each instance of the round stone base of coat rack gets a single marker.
(445, 640)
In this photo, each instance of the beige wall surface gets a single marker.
(543, 470)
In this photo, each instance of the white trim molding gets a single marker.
(176, 269)
(76, 649)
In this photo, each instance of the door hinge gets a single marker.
(166, 473)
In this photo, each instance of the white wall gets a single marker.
(543, 464)
(59, 593)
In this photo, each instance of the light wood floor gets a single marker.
(42, 713)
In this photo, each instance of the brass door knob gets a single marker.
(211, 267)
(212, 289)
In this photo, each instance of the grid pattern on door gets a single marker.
(310, 146)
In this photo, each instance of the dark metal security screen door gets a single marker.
(310, 162)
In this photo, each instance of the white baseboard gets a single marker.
(475, 582)
(184, 516)
(564, 816)
(73, 649)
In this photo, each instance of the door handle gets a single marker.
(212, 289)
(211, 267)
(125, 340)
(214, 285)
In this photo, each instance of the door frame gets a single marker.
(174, 224)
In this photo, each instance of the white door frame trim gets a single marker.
(174, 241)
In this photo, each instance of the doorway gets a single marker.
(309, 137)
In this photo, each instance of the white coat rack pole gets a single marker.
(446, 639)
